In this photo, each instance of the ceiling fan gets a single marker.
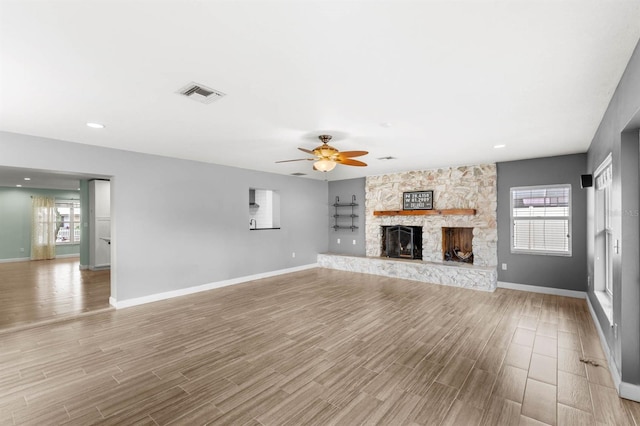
(326, 156)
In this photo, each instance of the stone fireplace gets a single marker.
(464, 187)
(464, 198)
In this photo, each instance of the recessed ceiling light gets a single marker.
(95, 125)
(499, 146)
(386, 124)
(19, 186)
(27, 178)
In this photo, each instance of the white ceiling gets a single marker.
(453, 78)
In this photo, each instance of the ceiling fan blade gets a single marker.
(350, 162)
(299, 159)
(307, 151)
(350, 154)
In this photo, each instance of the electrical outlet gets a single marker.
(504, 266)
(354, 242)
(338, 240)
(293, 254)
(21, 249)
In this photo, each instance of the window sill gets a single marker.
(67, 244)
(541, 253)
(606, 304)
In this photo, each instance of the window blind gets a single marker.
(541, 219)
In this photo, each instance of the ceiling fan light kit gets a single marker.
(327, 156)
(324, 165)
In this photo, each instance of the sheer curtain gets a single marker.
(43, 228)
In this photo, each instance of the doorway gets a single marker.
(40, 291)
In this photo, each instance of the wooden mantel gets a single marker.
(443, 212)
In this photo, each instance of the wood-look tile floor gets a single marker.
(45, 290)
(317, 347)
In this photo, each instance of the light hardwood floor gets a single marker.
(45, 290)
(317, 347)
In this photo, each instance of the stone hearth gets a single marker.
(450, 273)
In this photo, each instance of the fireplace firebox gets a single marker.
(402, 241)
(457, 244)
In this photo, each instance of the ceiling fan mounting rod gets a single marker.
(325, 138)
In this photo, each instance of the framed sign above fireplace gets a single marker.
(417, 200)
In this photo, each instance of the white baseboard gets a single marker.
(119, 304)
(629, 391)
(544, 290)
(67, 256)
(17, 259)
(625, 390)
(84, 267)
(26, 259)
(99, 268)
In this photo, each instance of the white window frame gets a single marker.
(72, 223)
(513, 219)
(603, 177)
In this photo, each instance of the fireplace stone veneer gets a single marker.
(464, 187)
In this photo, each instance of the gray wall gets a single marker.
(178, 223)
(618, 134)
(15, 220)
(561, 272)
(345, 189)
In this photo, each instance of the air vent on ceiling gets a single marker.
(387, 158)
(298, 174)
(200, 93)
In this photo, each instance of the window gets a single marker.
(604, 241)
(541, 220)
(67, 222)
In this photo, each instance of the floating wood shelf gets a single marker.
(443, 212)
